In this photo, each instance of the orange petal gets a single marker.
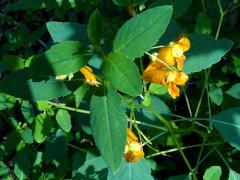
(166, 55)
(184, 43)
(173, 90)
(180, 62)
(132, 156)
(181, 78)
(156, 76)
(131, 135)
(90, 78)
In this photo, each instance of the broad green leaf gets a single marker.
(203, 24)
(132, 171)
(13, 140)
(179, 6)
(204, 52)
(27, 135)
(233, 175)
(42, 127)
(63, 58)
(63, 31)
(95, 28)
(234, 91)
(216, 95)
(3, 169)
(108, 123)
(123, 74)
(214, 172)
(143, 31)
(128, 2)
(32, 86)
(228, 124)
(157, 89)
(64, 120)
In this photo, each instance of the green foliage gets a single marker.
(211, 52)
(130, 42)
(59, 120)
(108, 122)
(214, 172)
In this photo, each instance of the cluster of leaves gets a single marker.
(56, 129)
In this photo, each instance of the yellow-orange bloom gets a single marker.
(133, 148)
(165, 54)
(179, 78)
(173, 90)
(90, 77)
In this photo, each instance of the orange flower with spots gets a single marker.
(162, 68)
(133, 148)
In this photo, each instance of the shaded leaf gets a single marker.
(63, 58)
(140, 33)
(216, 95)
(32, 86)
(234, 91)
(228, 124)
(233, 175)
(108, 123)
(128, 2)
(210, 53)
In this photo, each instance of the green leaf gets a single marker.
(13, 140)
(63, 58)
(157, 89)
(132, 171)
(234, 91)
(13, 62)
(181, 177)
(129, 2)
(228, 124)
(6, 101)
(108, 123)
(32, 86)
(214, 172)
(27, 135)
(42, 128)
(143, 31)
(233, 175)
(204, 52)
(80, 94)
(63, 31)
(4, 169)
(203, 24)
(28, 111)
(179, 6)
(216, 95)
(123, 74)
(64, 120)
(95, 28)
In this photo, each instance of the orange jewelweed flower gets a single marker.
(133, 148)
(90, 77)
(173, 90)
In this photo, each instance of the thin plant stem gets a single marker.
(200, 154)
(75, 147)
(233, 8)
(205, 157)
(203, 6)
(62, 106)
(221, 156)
(188, 104)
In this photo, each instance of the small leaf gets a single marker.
(95, 28)
(13, 62)
(203, 24)
(157, 89)
(42, 127)
(6, 101)
(214, 172)
(143, 31)
(216, 95)
(32, 86)
(132, 171)
(123, 74)
(234, 91)
(64, 31)
(64, 120)
(228, 124)
(179, 6)
(63, 58)
(108, 123)
(210, 53)
(80, 94)
(27, 135)
(28, 111)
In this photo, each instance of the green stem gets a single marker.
(75, 147)
(223, 159)
(188, 104)
(61, 106)
(200, 154)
